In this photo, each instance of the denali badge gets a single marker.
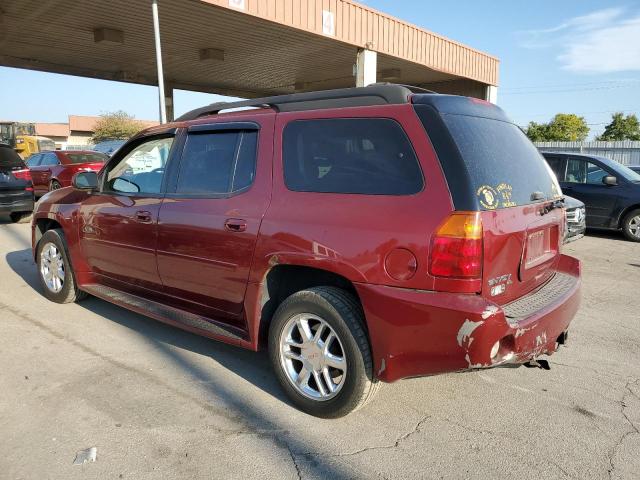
(499, 284)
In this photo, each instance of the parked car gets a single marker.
(329, 228)
(635, 168)
(576, 219)
(55, 169)
(610, 190)
(109, 147)
(16, 189)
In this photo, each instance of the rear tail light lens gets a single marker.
(23, 174)
(456, 250)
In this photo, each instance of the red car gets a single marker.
(55, 169)
(362, 235)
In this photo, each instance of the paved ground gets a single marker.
(161, 403)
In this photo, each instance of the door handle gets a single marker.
(235, 225)
(143, 216)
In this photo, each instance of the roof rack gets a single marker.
(375, 94)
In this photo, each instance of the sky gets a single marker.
(569, 56)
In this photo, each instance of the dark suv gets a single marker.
(16, 189)
(610, 190)
(363, 235)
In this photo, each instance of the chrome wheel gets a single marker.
(634, 226)
(52, 267)
(312, 357)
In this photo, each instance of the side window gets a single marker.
(576, 170)
(556, 164)
(356, 155)
(217, 162)
(34, 160)
(142, 169)
(595, 174)
(49, 159)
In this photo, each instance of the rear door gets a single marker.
(516, 191)
(47, 165)
(36, 170)
(210, 219)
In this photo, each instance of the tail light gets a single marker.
(456, 250)
(23, 174)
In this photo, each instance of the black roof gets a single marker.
(376, 94)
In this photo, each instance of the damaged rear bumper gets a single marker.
(416, 333)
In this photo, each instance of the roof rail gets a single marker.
(376, 94)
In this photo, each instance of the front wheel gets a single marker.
(55, 272)
(631, 226)
(320, 352)
(55, 185)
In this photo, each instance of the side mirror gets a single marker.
(610, 181)
(85, 181)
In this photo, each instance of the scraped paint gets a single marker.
(467, 328)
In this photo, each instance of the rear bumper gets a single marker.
(416, 333)
(12, 203)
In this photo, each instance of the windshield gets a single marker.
(621, 170)
(505, 168)
(86, 157)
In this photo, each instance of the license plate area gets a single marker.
(541, 246)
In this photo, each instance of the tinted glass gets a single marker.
(49, 159)
(505, 168)
(217, 163)
(595, 174)
(9, 158)
(362, 156)
(86, 157)
(142, 169)
(557, 165)
(576, 171)
(34, 160)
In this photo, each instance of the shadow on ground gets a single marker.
(171, 342)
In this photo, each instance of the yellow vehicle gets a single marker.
(22, 137)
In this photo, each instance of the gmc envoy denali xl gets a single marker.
(362, 235)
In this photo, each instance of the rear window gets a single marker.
(86, 157)
(505, 168)
(354, 155)
(10, 159)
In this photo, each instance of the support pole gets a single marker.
(491, 94)
(366, 67)
(156, 34)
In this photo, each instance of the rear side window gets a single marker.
(217, 163)
(504, 167)
(87, 157)
(360, 156)
(49, 159)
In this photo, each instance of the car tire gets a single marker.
(631, 225)
(54, 185)
(21, 217)
(340, 314)
(59, 285)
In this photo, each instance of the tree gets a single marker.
(115, 126)
(564, 127)
(621, 128)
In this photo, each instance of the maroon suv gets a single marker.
(362, 235)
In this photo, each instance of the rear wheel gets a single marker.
(55, 185)
(320, 352)
(631, 226)
(20, 217)
(54, 268)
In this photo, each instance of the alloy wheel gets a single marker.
(52, 267)
(634, 226)
(312, 357)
